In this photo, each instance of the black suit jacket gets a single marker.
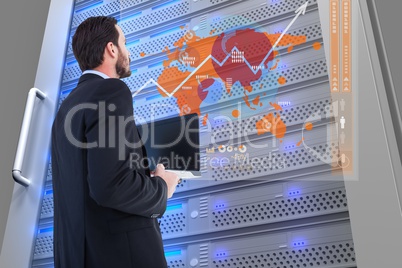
(105, 207)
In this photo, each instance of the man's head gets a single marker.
(99, 43)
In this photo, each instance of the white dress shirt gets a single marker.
(96, 72)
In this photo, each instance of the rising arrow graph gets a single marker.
(300, 11)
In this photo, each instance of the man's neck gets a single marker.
(109, 71)
(104, 76)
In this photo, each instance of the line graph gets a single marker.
(300, 11)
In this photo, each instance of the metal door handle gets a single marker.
(22, 142)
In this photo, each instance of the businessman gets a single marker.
(105, 211)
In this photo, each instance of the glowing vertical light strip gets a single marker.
(346, 96)
(346, 46)
(334, 45)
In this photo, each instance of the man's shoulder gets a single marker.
(95, 81)
(111, 88)
(113, 82)
(104, 85)
(93, 89)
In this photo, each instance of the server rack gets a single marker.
(293, 199)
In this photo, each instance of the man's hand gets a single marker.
(170, 178)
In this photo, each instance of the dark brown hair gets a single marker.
(91, 38)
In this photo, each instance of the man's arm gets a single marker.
(112, 181)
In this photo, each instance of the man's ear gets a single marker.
(111, 50)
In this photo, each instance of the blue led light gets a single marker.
(66, 91)
(220, 254)
(219, 205)
(165, 32)
(172, 253)
(164, 4)
(71, 62)
(292, 146)
(299, 243)
(130, 17)
(48, 192)
(217, 18)
(294, 192)
(173, 207)
(132, 43)
(45, 230)
(284, 103)
(89, 7)
(153, 97)
(155, 65)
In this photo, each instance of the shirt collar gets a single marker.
(96, 72)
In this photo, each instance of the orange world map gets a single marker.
(252, 46)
